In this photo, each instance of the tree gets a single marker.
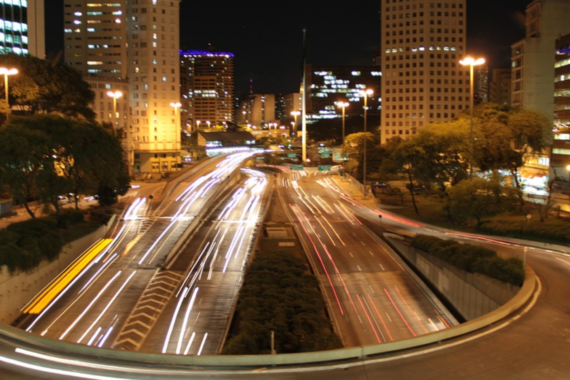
(354, 147)
(48, 87)
(22, 154)
(478, 198)
(407, 157)
(60, 156)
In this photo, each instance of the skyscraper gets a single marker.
(135, 41)
(22, 27)
(208, 87)
(422, 80)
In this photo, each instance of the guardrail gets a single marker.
(130, 359)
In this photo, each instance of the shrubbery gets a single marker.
(24, 245)
(280, 295)
(472, 258)
(550, 231)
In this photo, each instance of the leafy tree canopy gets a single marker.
(42, 86)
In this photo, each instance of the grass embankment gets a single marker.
(516, 224)
(472, 258)
(279, 294)
(24, 245)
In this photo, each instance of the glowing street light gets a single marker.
(568, 168)
(5, 71)
(295, 114)
(365, 93)
(198, 124)
(342, 105)
(115, 95)
(471, 62)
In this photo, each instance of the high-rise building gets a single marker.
(533, 57)
(533, 60)
(260, 109)
(500, 86)
(136, 41)
(481, 84)
(207, 87)
(327, 85)
(422, 80)
(22, 27)
(561, 144)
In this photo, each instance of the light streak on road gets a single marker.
(380, 316)
(410, 310)
(108, 306)
(399, 312)
(320, 260)
(202, 345)
(90, 305)
(369, 320)
(173, 320)
(185, 323)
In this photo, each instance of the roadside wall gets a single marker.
(473, 295)
(17, 290)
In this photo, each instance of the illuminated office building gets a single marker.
(422, 80)
(22, 27)
(207, 87)
(137, 41)
(561, 144)
(327, 85)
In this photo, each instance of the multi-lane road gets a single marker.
(371, 298)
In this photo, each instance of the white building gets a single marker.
(136, 41)
(422, 80)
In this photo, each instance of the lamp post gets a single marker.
(208, 122)
(471, 62)
(568, 168)
(198, 124)
(115, 95)
(5, 71)
(365, 93)
(176, 105)
(342, 105)
(295, 114)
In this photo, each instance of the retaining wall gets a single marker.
(471, 294)
(16, 290)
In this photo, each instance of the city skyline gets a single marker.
(267, 40)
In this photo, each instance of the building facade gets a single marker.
(135, 41)
(259, 110)
(533, 76)
(22, 27)
(207, 87)
(422, 80)
(500, 86)
(327, 85)
(561, 144)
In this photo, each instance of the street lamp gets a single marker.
(342, 105)
(5, 71)
(208, 122)
(471, 62)
(365, 93)
(295, 114)
(198, 124)
(115, 95)
(568, 168)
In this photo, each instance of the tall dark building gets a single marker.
(207, 87)
(327, 85)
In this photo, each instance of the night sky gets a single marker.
(266, 37)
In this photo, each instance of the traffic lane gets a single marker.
(359, 298)
(198, 322)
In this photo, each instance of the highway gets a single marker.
(371, 296)
(117, 299)
(530, 345)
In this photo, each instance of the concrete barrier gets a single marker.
(126, 358)
(17, 289)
